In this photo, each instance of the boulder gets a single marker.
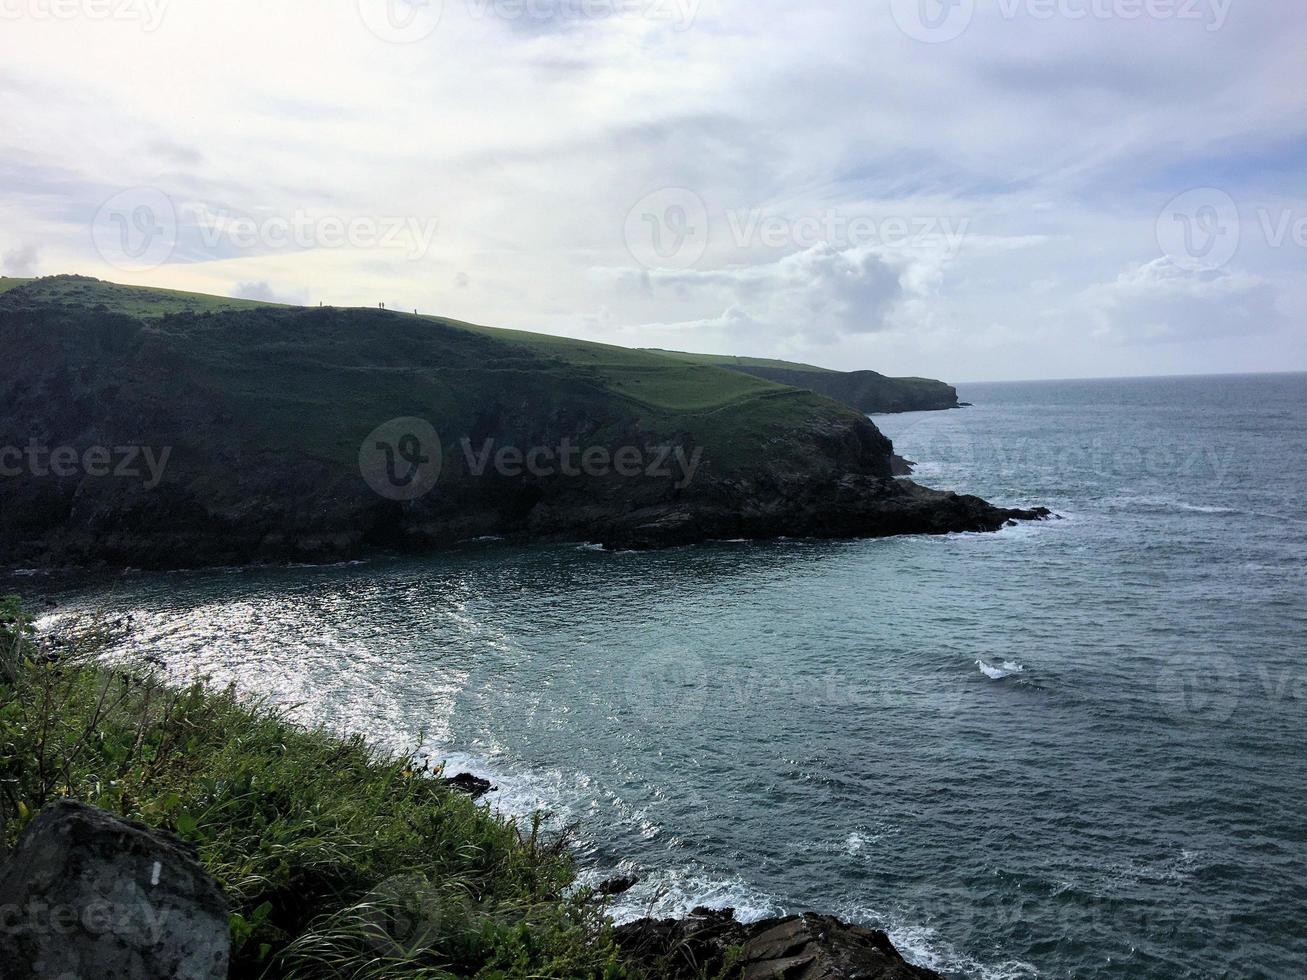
(796, 947)
(617, 886)
(473, 786)
(87, 895)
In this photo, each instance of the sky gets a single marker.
(961, 189)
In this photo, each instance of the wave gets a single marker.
(676, 892)
(1006, 669)
(923, 947)
(1165, 504)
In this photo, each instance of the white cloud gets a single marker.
(21, 261)
(1164, 302)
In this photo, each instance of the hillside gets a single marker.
(866, 391)
(240, 431)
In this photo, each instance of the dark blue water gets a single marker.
(1074, 749)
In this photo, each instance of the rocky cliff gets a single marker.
(165, 435)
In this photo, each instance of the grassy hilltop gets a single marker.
(264, 410)
(866, 391)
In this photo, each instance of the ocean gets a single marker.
(1068, 749)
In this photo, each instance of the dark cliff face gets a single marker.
(197, 438)
(866, 391)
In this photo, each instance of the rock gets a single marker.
(901, 466)
(617, 886)
(89, 896)
(797, 947)
(473, 786)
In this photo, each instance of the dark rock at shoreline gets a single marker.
(92, 895)
(852, 507)
(797, 947)
(617, 886)
(473, 786)
(900, 466)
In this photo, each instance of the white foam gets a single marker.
(923, 947)
(1006, 669)
(1166, 503)
(675, 892)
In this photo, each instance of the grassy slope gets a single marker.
(131, 300)
(731, 360)
(279, 381)
(653, 378)
(8, 282)
(338, 861)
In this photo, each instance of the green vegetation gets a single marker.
(318, 380)
(731, 360)
(866, 391)
(7, 283)
(142, 301)
(339, 861)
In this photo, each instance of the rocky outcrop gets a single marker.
(798, 947)
(90, 896)
(854, 506)
(470, 785)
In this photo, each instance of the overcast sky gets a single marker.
(997, 189)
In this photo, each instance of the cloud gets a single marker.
(820, 293)
(263, 292)
(21, 261)
(1164, 302)
(532, 136)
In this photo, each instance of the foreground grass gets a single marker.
(337, 860)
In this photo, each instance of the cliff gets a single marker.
(159, 429)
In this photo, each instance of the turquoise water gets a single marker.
(1070, 749)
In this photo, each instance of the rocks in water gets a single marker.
(901, 466)
(796, 947)
(89, 895)
(617, 886)
(473, 786)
